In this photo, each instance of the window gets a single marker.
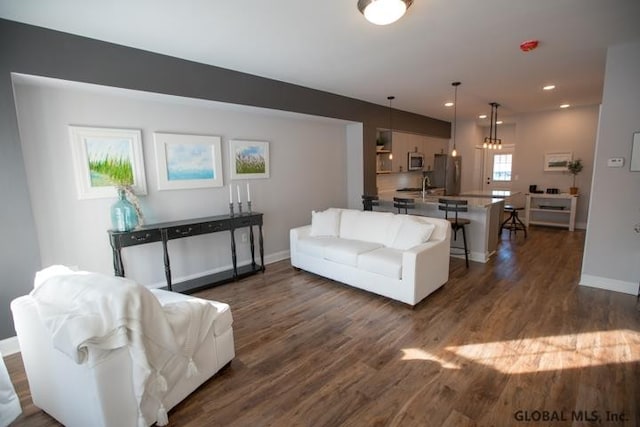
(502, 167)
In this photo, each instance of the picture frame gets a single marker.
(634, 164)
(557, 162)
(104, 158)
(249, 159)
(188, 161)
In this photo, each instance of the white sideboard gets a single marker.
(555, 210)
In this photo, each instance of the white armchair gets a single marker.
(125, 375)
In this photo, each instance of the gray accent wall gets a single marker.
(37, 51)
(612, 250)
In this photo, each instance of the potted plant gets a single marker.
(574, 167)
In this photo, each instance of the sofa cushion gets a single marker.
(366, 226)
(411, 232)
(315, 246)
(325, 223)
(346, 251)
(384, 261)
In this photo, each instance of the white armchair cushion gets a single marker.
(325, 223)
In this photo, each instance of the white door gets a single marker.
(498, 168)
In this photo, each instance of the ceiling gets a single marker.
(328, 45)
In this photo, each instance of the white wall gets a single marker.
(533, 135)
(570, 130)
(612, 248)
(308, 171)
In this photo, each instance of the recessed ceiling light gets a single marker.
(499, 122)
(448, 104)
(549, 87)
(482, 116)
(565, 106)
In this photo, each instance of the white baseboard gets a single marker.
(9, 346)
(610, 284)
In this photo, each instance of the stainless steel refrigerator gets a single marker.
(447, 173)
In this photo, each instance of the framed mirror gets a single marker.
(635, 153)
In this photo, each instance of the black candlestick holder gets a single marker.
(239, 208)
(249, 206)
(231, 209)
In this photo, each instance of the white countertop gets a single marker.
(432, 200)
(502, 194)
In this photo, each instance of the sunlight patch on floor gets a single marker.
(419, 354)
(554, 352)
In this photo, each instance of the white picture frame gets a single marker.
(188, 161)
(557, 162)
(249, 159)
(100, 154)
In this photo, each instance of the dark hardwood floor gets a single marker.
(512, 342)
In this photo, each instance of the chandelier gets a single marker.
(492, 142)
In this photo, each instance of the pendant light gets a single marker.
(492, 142)
(390, 98)
(383, 12)
(454, 152)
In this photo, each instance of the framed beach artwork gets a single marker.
(557, 162)
(249, 159)
(104, 158)
(187, 161)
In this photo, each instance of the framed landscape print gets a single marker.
(557, 162)
(104, 158)
(187, 161)
(249, 159)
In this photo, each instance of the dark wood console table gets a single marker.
(163, 232)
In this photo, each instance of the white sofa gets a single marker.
(100, 389)
(403, 257)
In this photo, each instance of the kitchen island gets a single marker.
(485, 214)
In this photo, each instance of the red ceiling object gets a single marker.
(529, 45)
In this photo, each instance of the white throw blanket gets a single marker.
(85, 311)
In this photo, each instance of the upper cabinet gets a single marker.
(392, 151)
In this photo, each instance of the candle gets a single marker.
(238, 188)
(248, 193)
(230, 195)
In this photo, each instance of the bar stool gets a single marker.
(368, 202)
(513, 223)
(457, 223)
(403, 203)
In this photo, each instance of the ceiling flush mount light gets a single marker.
(482, 116)
(492, 142)
(454, 152)
(565, 106)
(448, 104)
(549, 87)
(383, 12)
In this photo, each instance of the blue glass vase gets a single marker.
(123, 213)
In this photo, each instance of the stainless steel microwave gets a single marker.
(415, 161)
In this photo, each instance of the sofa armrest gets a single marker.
(294, 235)
(427, 266)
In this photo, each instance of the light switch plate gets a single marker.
(615, 162)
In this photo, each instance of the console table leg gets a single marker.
(261, 243)
(118, 266)
(233, 255)
(253, 249)
(167, 264)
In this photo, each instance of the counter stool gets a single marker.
(457, 223)
(403, 203)
(368, 202)
(513, 223)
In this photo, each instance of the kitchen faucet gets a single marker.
(427, 181)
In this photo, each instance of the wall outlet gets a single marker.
(244, 238)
